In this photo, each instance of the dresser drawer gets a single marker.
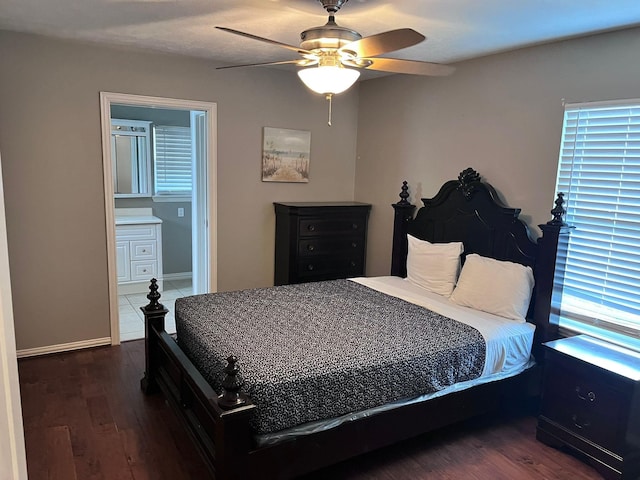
(339, 245)
(324, 226)
(331, 267)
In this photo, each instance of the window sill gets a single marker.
(570, 327)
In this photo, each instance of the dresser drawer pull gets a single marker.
(590, 396)
(355, 226)
(310, 267)
(311, 248)
(311, 228)
(579, 424)
(354, 244)
(353, 264)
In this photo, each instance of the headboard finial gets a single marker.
(404, 194)
(466, 179)
(558, 211)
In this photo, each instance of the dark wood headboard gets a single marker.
(468, 210)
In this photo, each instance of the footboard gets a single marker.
(218, 424)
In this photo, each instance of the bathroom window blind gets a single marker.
(599, 172)
(172, 160)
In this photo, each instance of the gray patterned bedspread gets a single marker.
(319, 350)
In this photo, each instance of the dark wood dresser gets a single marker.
(320, 241)
(591, 403)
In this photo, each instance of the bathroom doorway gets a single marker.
(160, 214)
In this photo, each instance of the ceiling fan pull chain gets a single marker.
(330, 98)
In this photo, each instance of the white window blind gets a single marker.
(172, 160)
(599, 172)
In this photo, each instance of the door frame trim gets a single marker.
(106, 100)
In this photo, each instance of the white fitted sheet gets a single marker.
(508, 350)
(508, 341)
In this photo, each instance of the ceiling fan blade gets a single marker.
(301, 51)
(411, 67)
(384, 42)
(302, 62)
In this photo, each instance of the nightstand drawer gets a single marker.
(598, 425)
(570, 387)
(324, 226)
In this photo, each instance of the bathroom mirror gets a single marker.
(131, 158)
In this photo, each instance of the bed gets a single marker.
(267, 399)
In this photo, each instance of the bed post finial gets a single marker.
(404, 194)
(231, 384)
(402, 215)
(550, 269)
(154, 314)
(153, 297)
(558, 211)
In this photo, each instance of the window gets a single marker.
(599, 172)
(172, 160)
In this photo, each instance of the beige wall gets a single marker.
(501, 115)
(52, 167)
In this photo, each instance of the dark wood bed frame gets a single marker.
(466, 210)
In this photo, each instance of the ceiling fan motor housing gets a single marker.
(332, 6)
(329, 36)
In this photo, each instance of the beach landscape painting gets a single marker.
(285, 155)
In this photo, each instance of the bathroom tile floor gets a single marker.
(131, 318)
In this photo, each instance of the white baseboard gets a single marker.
(63, 347)
(177, 276)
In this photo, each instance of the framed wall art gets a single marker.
(285, 155)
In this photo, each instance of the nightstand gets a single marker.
(591, 403)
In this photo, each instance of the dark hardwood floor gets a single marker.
(86, 418)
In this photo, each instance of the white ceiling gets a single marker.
(455, 29)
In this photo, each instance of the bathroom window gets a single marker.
(172, 160)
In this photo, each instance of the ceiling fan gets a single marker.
(332, 55)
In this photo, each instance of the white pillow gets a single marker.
(494, 286)
(433, 266)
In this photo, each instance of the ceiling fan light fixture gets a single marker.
(330, 79)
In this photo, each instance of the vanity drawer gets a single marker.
(143, 270)
(135, 232)
(143, 250)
